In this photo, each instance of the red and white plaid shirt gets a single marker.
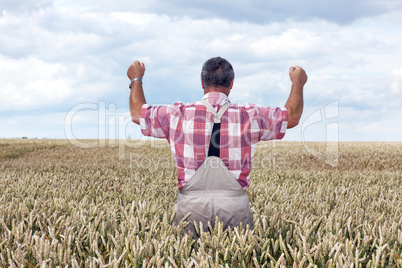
(188, 127)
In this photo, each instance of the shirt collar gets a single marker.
(216, 98)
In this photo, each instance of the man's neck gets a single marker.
(223, 90)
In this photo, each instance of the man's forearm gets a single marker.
(137, 99)
(294, 105)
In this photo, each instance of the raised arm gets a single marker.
(294, 105)
(137, 98)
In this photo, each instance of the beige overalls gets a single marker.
(213, 191)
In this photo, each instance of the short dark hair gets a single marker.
(217, 72)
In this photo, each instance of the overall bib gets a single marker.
(213, 191)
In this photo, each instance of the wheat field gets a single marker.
(64, 206)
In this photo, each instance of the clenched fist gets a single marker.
(136, 70)
(297, 75)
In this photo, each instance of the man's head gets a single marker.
(217, 75)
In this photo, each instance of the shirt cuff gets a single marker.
(284, 124)
(142, 119)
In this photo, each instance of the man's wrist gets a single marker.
(137, 79)
(298, 85)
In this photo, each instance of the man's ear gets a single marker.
(202, 84)
(231, 84)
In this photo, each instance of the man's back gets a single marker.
(188, 129)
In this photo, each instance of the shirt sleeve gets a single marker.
(154, 121)
(272, 122)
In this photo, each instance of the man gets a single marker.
(213, 141)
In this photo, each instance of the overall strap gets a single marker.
(219, 114)
(213, 149)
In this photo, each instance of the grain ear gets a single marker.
(61, 205)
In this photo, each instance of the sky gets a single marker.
(63, 63)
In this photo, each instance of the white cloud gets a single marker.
(380, 124)
(31, 83)
(261, 12)
(59, 55)
(19, 6)
(396, 86)
(32, 126)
